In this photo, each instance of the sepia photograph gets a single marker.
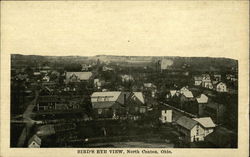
(124, 78)
(123, 101)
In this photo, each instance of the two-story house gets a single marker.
(115, 104)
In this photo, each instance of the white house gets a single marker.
(166, 116)
(77, 76)
(195, 129)
(206, 81)
(205, 77)
(98, 83)
(221, 87)
(197, 80)
(127, 78)
(190, 129)
(207, 84)
(34, 142)
(207, 124)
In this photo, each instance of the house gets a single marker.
(74, 77)
(231, 77)
(151, 88)
(166, 116)
(86, 67)
(34, 142)
(206, 77)
(139, 96)
(217, 77)
(115, 104)
(215, 111)
(109, 104)
(183, 91)
(186, 100)
(202, 100)
(197, 80)
(207, 124)
(190, 129)
(206, 81)
(207, 84)
(98, 83)
(172, 93)
(56, 103)
(221, 87)
(47, 102)
(127, 78)
(187, 94)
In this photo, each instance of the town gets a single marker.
(124, 102)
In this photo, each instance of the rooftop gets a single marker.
(186, 122)
(207, 122)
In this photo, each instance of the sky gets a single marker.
(163, 28)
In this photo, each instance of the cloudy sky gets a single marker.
(185, 28)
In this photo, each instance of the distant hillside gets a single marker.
(195, 63)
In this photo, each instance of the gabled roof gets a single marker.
(187, 94)
(206, 122)
(186, 122)
(220, 83)
(173, 92)
(80, 75)
(139, 95)
(184, 89)
(36, 139)
(202, 99)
